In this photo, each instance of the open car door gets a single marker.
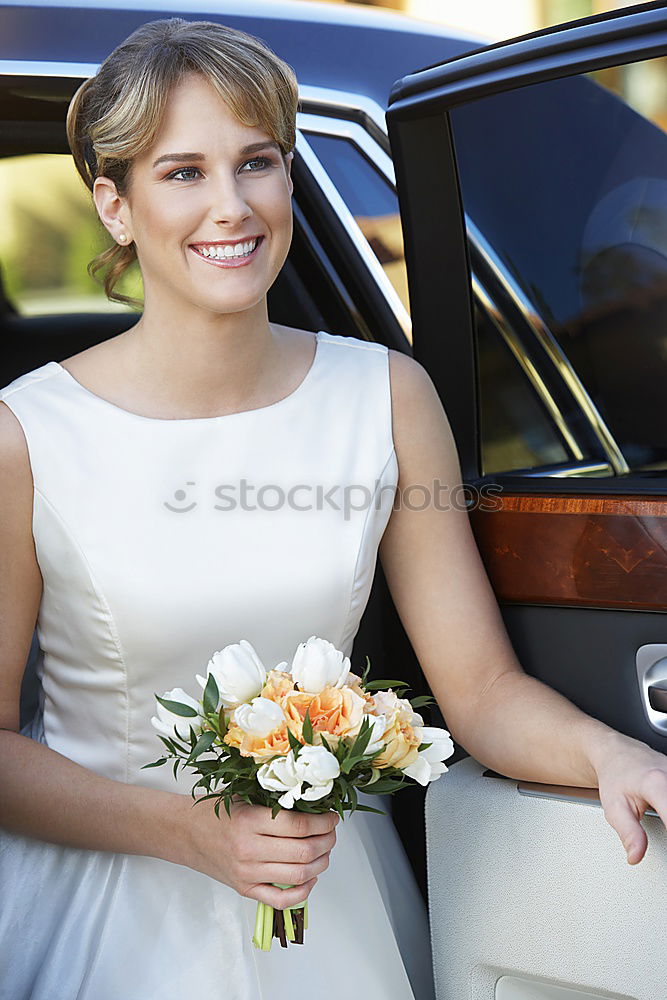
(532, 178)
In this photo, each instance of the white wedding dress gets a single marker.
(153, 556)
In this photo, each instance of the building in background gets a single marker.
(493, 19)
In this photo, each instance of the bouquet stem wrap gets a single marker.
(287, 925)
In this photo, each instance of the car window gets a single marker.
(372, 202)
(46, 241)
(567, 180)
(515, 430)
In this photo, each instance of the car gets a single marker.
(499, 215)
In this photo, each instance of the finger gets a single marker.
(623, 820)
(292, 874)
(280, 899)
(294, 850)
(297, 824)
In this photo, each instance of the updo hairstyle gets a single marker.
(116, 115)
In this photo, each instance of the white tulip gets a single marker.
(259, 718)
(317, 663)
(319, 768)
(429, 764)
(239, 674)
(170, 724)
(282, 775)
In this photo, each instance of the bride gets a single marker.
(113, 885)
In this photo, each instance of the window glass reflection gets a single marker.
(372, 202)
(567, 180)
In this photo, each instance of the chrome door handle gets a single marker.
(652, 678)
(657, 697)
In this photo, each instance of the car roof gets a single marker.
(336, 46)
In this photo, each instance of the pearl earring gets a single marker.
(122, 237)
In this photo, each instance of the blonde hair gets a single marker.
(115, 115)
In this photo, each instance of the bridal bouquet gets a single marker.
(306, 736)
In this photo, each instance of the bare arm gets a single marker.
(507, 720)
(47, 796)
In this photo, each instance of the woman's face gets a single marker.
(209, 182)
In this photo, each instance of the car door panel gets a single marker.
(530, 895)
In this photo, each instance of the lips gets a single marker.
(231, 261)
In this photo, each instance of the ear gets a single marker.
(288, 170)
(112, 210)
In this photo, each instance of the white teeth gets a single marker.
(229, 250)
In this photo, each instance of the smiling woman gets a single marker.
(185, 140)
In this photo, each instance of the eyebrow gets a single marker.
(254, 147)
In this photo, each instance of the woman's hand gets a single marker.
(249, 851)
(631, 778)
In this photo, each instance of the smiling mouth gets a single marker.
(229, 254)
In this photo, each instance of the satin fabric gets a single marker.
(159, 542)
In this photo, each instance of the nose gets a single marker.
(228, 204)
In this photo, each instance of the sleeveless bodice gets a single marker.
(161, 541)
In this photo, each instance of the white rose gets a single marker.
(379, 724)
(282, 775)
(317, 663)
(239, 674)
(319, 768)
(429, 764)
(259, 718)
(388, 703)
(166, 721)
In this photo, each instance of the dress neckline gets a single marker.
(308, 377)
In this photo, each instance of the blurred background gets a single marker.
(497, 19)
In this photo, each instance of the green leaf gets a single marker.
(370, 809)
(204, 742)
(424, 746)
(178, 708)
(367, 670)
(155, 763)
(211, 694)
(380, 685)
(324, 743)
(421, 700)
(307, 727)
(293, 742)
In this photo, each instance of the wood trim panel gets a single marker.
(592, 551)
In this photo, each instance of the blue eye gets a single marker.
(263, 160)
(182, 170)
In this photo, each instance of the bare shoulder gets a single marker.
(16, 483)
(421, 431)
(14, 457)
(20, 576)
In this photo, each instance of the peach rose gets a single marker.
(278, 685)
(336, 712)
(277, 742)
(401, 746)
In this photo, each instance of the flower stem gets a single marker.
(268, 928)
(289, 925)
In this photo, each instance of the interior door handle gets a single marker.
(652, 678)
(657, 697)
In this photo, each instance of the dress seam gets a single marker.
(111, 624)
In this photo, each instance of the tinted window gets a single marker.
(516, 431)
(372, 202)
(571, 192)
